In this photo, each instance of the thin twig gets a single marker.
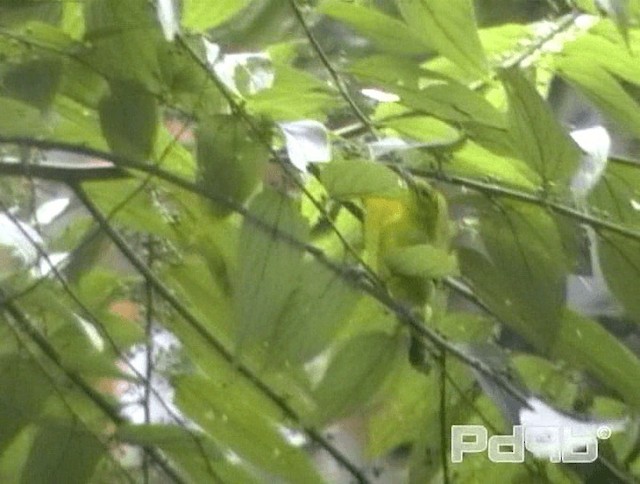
(148, 331)
(337, 80)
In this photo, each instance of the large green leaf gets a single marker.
(618, 198)
(355, 374)
(188, 84)
(193, 451)
(353, 178)
(34, 82)
(129, 120)
(449, 26)
(587, 345)
(294, 95)
(237, 417)
(19, 119)
(386, 32)
(476, 162)
(202, 15)
(268, 268)
(620, 258)
(25, 390)
(422, 260)
(540, 138)
(16, 12)
(313, 316)
(523, 279)
(121, 40)
(599, 67)
(429, 130)
(231, 163)
(63, 452)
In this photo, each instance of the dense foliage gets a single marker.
(228, 225)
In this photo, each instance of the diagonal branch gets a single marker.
(337, 80)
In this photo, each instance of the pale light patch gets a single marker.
(48, 211)
(212, 51)
(251, 69)
(390, 145)
(164, 343)
(585, 21)
(635, 204)
(317, 367)
(168, 18)
(556, 42)
(387, 145)
(380, 96)
(293, 437)
(46, 267)
(540, 417)
(307, 141)
(92, 333)
(232, 458)
(595, 142)
(18, 238)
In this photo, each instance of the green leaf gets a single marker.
(598, 67)
(19, 119)
(450, 27)
(423, 260)
(268, 269)
(200, 16)
(231, 163)
(620, 259)
(139, 213)
(475, 161)
(540, 138)
(386, 32)
(238, 418)
(318, 307)
(129, 120)
(25, 390)
(404, 415)
(187, 83)
(16, 12)
(193, 451)
(34, 82)
(523, 278)
(618, 10)
(121, 40)
(294, 95)
(427, 129)
(352, 178)
(587, 345)
(63, 452)
(355, 374)
(618, 198)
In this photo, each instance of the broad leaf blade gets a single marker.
(541, 140)
(450, 27)
(268, 268)
(355, 374)
(388, 33)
